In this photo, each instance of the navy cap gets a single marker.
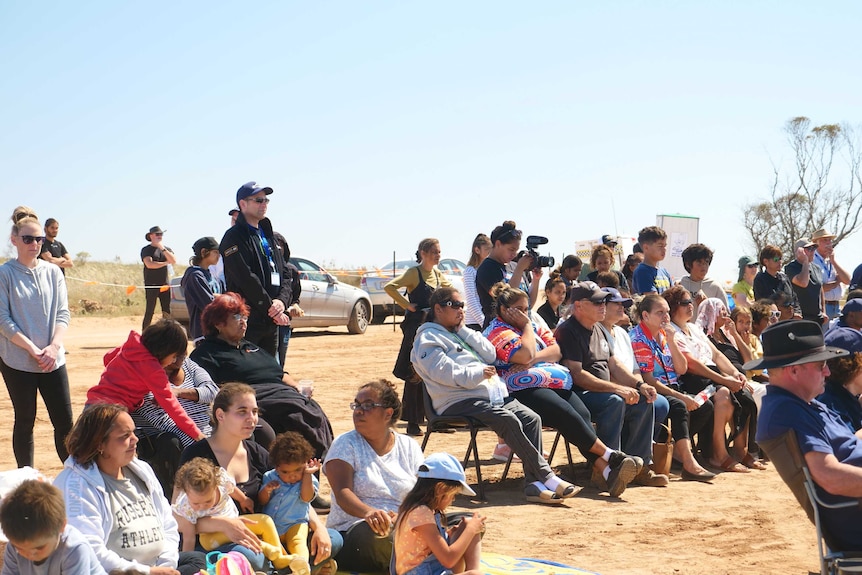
(845, 338)
(617, 297)
(250, 189)
(608, 240)
(851, 306)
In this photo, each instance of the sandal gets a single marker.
(544, 496)
(752, 462)
(327, 567)
(730, 464)
(566, 489)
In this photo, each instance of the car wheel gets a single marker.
(359, 318)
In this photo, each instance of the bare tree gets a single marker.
(823, 190)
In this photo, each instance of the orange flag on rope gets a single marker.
(164, 289)
(130, 289)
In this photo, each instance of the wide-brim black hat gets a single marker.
(793, 342)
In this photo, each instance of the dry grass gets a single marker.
(101, 288)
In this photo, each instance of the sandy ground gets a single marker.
(739, 524)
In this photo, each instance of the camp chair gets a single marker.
(785, 454)
(444, 423)
(557, 438)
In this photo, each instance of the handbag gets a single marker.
(662, 454)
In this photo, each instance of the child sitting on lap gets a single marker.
(33, 518)
(204, 490)
(287, 491)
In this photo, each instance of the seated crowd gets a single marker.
(174, 457)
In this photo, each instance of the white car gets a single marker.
(383, 305)
(325, 300)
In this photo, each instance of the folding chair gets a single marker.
(438, 422)
(557, 438)
(785, 454)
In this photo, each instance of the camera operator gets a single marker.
(506, 243)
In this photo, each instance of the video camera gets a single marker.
(538, 261)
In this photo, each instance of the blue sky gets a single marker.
(380, 123)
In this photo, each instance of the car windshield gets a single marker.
(448, 266)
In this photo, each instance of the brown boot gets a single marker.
(650, 478)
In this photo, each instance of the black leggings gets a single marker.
(163, 297)
(564, 411)
(684, 423)
(54, 389)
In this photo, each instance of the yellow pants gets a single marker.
(294, 540)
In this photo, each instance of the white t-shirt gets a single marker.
(379, 481)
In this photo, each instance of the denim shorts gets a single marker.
(431, 566)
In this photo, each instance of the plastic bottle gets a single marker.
(496, 391)
(705, 394)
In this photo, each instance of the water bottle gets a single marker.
(705, 394)
(496, 391)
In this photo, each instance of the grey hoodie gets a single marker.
(32, 302)
(452, 365)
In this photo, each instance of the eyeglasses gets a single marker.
(258, 200)
(686, 302)
(240, 318)
(365, 405)
(775, 314)
(30, 239)
(452, 303)
(515, 234)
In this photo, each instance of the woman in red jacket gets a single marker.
(137, 368)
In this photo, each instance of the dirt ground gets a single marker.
(738, 524)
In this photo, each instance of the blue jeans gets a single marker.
(621, 426)
(833, 309)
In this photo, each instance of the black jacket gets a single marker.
(247, 272)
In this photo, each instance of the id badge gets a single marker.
(274, 278)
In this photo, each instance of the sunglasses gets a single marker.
(364, 406)
(810, 248)
(751, 266)
(514, 234)
(776, 259)
(258, 200)
(686, 302)
(451, 303)
(159, 234)
(775, 314)
(30, 239)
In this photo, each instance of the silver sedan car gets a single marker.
(326, 301)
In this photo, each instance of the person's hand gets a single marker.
(271, 486)
(412, 307)
(380, 521)
(648, 392)
(246, 505)
(281, 319)
(801, 256)
(276, 309)
(474, 523)
(312, 467)
(730, 327)
(629, 394)
(489, 371)
(47, 357)
(237, 530)
(163, 570)
(690, 403)
(731, 383)
(296, 311)
(523, 263)
(536, 273)
(699, 297)
(321, 545)
(515, 317)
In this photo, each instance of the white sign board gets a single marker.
(682, 231)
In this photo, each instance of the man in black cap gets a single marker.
(254, 267)
(620, 403)
(156, 258)
(795, 355)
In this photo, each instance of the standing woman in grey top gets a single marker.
(34, 316)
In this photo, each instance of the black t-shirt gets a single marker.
(809, 297)
(624, 285)
(159, 276)
(258, 464)
(489, 272)
(589, 347)
(549, 314)
(56, 249)
(248, 364)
